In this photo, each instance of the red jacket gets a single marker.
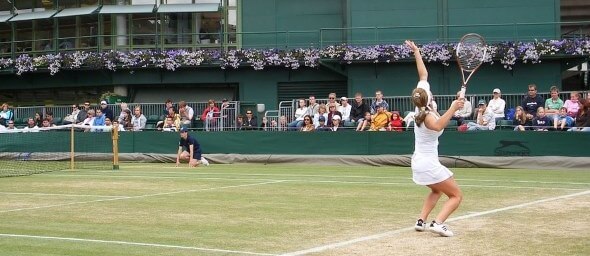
(396, 125)
(215, 111)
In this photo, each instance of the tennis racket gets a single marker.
(471, 52)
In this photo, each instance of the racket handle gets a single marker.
(462, 92)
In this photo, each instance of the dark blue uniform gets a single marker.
(186, 146)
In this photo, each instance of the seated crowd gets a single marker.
(333, 114)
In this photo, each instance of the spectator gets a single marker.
(106, 110)
(485, 118)
(169, 125)
(115, 123)
(322, 127)
(99, 120)
(121, 115)
(563, 120)
(167, 105)
(345, 109)
(186, 113)
(380, 119)
(264, 125)
(358, 109)
(49, 116)
(127, 123)
(365, 123)
(521, 121)
(5, 115)
(38, 119)
(210, 115)
(83, 112)
(47, 123)
(332, 111)
(332, 100)
(572, 104)
(379, 102)
(541, 122)
(89, 120)
(307, 124)
(250, 123)
(532, 102)
(583, 117)
(73, 117)
(553, 104)
(239, 122)
(300, 112)
(172, 114)
(497, 105)
(396, 123)
(282, 125)
(226, 113)
(336, 127)
(274, 125)
(138, 120)
(11, 125)
(31, 126)
(313, 106)
(464, 113)
(322, 111)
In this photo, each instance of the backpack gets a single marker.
(510, 114)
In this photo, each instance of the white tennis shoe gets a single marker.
(440, 229)
(204, 161)
(420, 225)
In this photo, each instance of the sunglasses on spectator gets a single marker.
(332, 98)
(248, 113)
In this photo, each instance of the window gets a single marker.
(44, 35)
(67, 33)
(143, 30)
(88, 31)
(5, 38)
(24, 35)
(177, 28)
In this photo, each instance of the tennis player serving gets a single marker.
(426, 168)
(189, 149)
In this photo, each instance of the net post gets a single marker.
(72, 148)
(115, 135)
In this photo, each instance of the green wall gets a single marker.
(288, 15)
(496, 143)
(400, 79)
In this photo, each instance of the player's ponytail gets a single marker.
(420, 100)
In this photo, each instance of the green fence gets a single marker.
(495, 143)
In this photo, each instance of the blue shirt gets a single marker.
(185, 144)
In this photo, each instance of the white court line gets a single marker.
(132, 243)
(51, 194)
(135, 197)
(393, 232)
(343, 176)
(310, 181)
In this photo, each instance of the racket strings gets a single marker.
(471, 52)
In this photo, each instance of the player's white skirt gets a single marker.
(427, 170)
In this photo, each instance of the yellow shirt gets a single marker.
(380, 120)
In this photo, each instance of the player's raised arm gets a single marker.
(422, 72)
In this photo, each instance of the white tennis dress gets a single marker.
(426, 169)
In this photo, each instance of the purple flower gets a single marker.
(508, 53)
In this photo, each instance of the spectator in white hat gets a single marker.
(106, 110)
(336, 124)
(497, 105)
(345, 108)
